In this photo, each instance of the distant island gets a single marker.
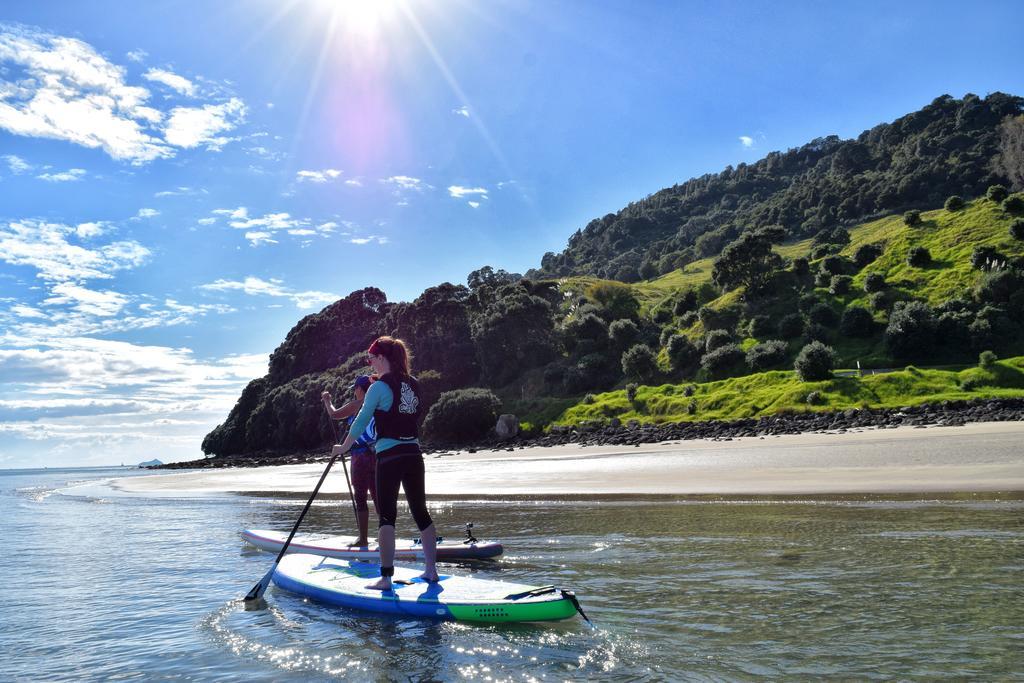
(151, 463)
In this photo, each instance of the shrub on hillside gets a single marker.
(791, 326)
(682, 353)
(879, 301)
(986, 359)
(631, 391)
(1017, 229)
(686, 303)
(807, 301)
(823, 250)
(666, 334)
(999, 287)
(919, 257)
(760, 326)
(815, 362)
(981, 334)
(623, 333)
(911, 330)
(912, 218)
(865, 254)
(689, 390)
(954, 203)
(874, 282)
(723, 360)
(997, 193)
(801, 267)
(857, 322)
(716, 339)
(689, 318)
(839, 285)
(587, 331)
(815, 332)
(987, 258)
(462, 415)
(1014, 203)
(639, 363)
(833, 265)
(823, 314)
(767, 355)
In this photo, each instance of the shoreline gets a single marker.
(976, 457)
(613, 433)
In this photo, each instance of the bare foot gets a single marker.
(430, 577)
(383, 584)
(358, 543)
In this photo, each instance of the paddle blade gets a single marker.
(260, 588)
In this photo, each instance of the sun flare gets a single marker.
(363, 18)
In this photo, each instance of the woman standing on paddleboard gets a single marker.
(393, 401)
(364, 464)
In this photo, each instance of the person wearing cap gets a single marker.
(362, 457)
(394, 403)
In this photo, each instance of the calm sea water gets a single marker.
(103, 586)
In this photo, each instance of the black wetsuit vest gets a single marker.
(399, 422)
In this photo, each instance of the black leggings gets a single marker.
(401, 466)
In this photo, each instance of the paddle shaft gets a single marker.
(309, 504)
(351, 495)
(257, 591)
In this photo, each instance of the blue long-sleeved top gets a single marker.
(378, 397)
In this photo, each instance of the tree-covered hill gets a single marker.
(949, 147)
(768, 292)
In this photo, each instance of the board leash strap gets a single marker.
(531, 593)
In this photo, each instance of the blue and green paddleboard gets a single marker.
(343, 582)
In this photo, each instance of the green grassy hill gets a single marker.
(949, 236)
(770, 393)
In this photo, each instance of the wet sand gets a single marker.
(977, 457)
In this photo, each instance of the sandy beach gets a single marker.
(971, 458)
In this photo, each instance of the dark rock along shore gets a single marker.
(946, 413)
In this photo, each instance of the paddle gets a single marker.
(260, 588)
(351, 496)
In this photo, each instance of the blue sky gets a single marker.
(180, 182)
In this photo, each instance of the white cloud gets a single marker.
(254, 286)
(147, 213)
(23, 311)
(171, 80)
(207, 221)
(17, 164)
(405, 182)
(746, 141)
(181, 191)
(369, 240)
(459, 192)
(69, 92)
(258, 237)
(354, 182)
(83, 400)
(90, 230)
(462, 111)
(65, 90)
(190, 127)
(46, 247)
(318, 176)
(69, 175)
(136, 55)
(87, 301)
(475, 205)
(262, 230)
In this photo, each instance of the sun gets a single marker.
(359, 18)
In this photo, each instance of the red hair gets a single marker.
(395, 350)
